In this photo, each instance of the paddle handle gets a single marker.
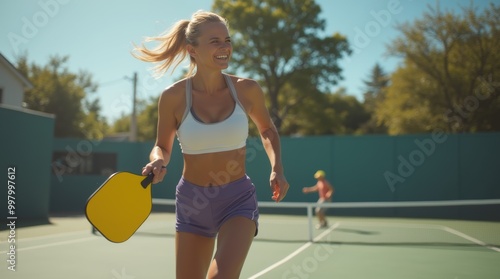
(147, 181)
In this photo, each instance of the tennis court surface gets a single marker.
(351, 247)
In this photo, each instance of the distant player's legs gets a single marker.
(320, 213)
(322, 217)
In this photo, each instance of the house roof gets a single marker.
(15, 72)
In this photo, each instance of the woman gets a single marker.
(207, 111)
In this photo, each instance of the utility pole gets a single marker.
(133, 118)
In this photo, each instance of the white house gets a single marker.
(12, 84)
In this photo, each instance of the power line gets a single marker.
(108, 83)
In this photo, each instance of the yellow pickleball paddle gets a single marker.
(120, 205)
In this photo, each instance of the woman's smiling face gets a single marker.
(213, 46)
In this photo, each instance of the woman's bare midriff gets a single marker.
(214, 169)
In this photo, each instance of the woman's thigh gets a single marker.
(233, 243)
(193, 255)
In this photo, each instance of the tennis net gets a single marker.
(472, 210)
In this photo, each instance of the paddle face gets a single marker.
(120, 205)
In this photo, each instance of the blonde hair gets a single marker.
(171, 49)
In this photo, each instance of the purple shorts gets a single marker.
(203, 210)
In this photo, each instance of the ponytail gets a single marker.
(172, 45)
(171, 49)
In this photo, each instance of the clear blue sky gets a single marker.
(98, 35)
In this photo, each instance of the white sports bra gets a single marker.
(196, 137)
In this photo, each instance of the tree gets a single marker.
(62, 93)
(376, 87)
(350, 111)
(409, 103)
(122, 125)
(326, 114)
(449, 79)
(95, 126)
(147, 119)
(277, 42)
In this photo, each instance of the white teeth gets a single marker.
(221, 57)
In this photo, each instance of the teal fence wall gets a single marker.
(362, 168)
(25, 145)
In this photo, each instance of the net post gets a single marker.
(309, 220)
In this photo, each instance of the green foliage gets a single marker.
(375, 92)
(62, 93)
(325, 114)
(147, 119)
(277, 42)
(450, 77)
(122, 125)
(94, 125)
(409, 103)
(375, 87)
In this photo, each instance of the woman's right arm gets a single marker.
(167, 126)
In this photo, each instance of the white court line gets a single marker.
(53, 244)
(426, 226)
(296, 252)
(49, 236)
(56, 235)
(22, 240)
(469, 238)
(397, 225)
